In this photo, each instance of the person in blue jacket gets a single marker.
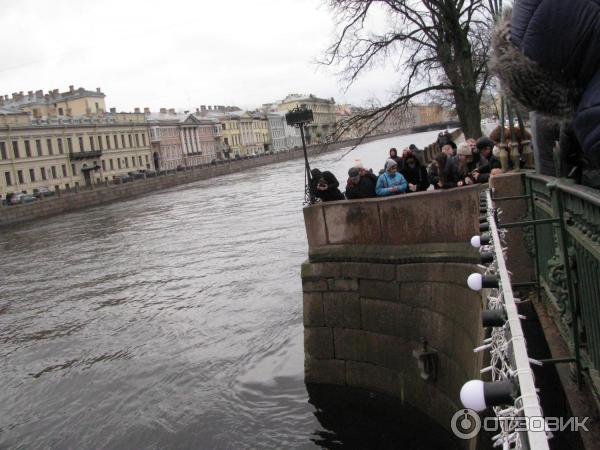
(390, 182)
(547, 56)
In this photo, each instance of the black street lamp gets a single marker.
(299, 117)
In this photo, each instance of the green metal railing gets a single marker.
(567, 255)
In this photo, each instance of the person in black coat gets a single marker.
(547, 56)
(395, 157)
(488, 164)
(361, 183)
(415, 174)
(443, 172)
(325, 186)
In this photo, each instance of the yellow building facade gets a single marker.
(324, 115)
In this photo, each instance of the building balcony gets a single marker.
(85, 155)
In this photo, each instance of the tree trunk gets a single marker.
(469, 115)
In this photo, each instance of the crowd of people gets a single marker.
(468, 163)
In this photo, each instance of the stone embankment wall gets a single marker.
(383, 275)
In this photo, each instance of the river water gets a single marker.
(174, 320)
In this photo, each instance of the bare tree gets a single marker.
(437, 46)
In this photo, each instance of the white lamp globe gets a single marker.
(476, 241)
(471, 395)
(475, 281)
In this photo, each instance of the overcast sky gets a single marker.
(175, 53)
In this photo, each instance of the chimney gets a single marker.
(71, 88)
(113, 110)
(98, 90)
(146, 110)
(203, 108)
(197, 110)
(209, 108)
(1, 100)
(55, 91)
(171, 111)
(136, 110)
(6, 97)
(39, 93)
(216, 108)
(163, 110)
(29, 94)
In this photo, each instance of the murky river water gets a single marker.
(174, 320)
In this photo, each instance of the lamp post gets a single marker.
(299, 117)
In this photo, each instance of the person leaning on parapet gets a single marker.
(415, 174)
(361, 183)
(325, 186)
(418, 153)
(444, 173)
(474, 150)
(547, 56)
(395, 157)
(390, 182)
(488, 164)
(465, 165)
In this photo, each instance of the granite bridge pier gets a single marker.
(384, 284)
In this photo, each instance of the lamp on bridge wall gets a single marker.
(479, 395)
(299, 117)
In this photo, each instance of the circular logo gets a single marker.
(465, 424)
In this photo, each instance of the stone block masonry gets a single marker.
(374, 293)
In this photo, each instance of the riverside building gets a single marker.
(323, 110)
(60, 140)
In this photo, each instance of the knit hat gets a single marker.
(464, 149)
(389, 163)
(483, 142)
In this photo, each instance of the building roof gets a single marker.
(19, 99)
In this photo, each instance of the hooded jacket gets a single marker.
(547, 56)
(364, 189)
(386, 182)
(332, 192)
(416, 175)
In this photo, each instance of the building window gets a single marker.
(73, 169)
(133, 161)
(8, 178)
(49, 145)
(103, 165)
(144, 139)
(38, 146)
(119, 162)
(70, 145)
(64, 170)
(32, 175)
(16, 148)
(137, 140)
(53, 169)
(123, 140)
(92, 145)
(130, 140)
(97, 106)
(116, 139)
(108, 142)
(3, 150)
(100, 142)
(126, 162)
(20, 176)
(110, 163)
(59, 141)
(43, 170)
(147, 161)
(81, 149)
(61, 112)
(140, 158)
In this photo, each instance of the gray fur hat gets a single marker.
(524, 80)
(389, 163)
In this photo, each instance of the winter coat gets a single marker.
(451, 171)
(364, 189)
(332, 193)
(547, 56)
(386, 181)
(485, 166)
(417, 176)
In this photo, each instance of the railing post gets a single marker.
(573, 303)
(535, 240)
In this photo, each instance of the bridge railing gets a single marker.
(570, 292)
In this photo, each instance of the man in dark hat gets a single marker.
(361, 183)
(488, 164)
(325, 186)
